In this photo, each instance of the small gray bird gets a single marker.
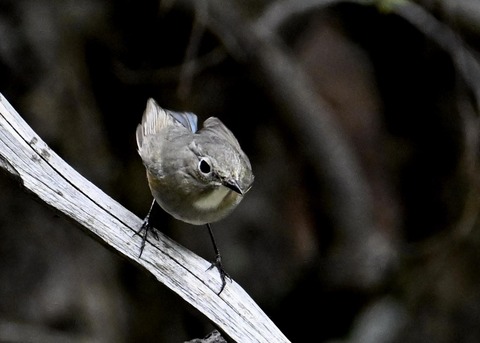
(197, 176)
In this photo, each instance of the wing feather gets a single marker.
(217, 128)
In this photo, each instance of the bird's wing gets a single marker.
(156, 118)
(215, 127)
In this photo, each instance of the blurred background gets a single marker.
(361, 121)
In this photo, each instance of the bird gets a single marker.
(198, 176)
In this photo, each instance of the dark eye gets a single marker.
(204, 167)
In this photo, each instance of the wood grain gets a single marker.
(28, 159)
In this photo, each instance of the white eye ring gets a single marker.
(204, 167)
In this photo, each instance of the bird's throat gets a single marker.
(213, 199)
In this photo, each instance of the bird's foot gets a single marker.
(143, 232)
(223, 274)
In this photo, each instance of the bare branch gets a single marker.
(279, 12)
(42, 172)
(314, 123)
(465, 62)
(461, 14)
(198, 29)
(468, 66)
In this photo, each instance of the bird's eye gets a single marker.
(204, 167)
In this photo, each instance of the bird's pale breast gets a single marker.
(212, 200)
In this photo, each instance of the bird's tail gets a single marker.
(156, 118)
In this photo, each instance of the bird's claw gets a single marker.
(223, 274)
(143, 232)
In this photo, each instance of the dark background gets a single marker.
(362, 224)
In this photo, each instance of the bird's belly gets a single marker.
(207, 208)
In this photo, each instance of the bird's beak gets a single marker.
(233, 185)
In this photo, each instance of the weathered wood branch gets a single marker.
(42, 172)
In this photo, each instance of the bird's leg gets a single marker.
(146, 227)
(218, 261)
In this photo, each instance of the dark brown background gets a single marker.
(362, 222)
